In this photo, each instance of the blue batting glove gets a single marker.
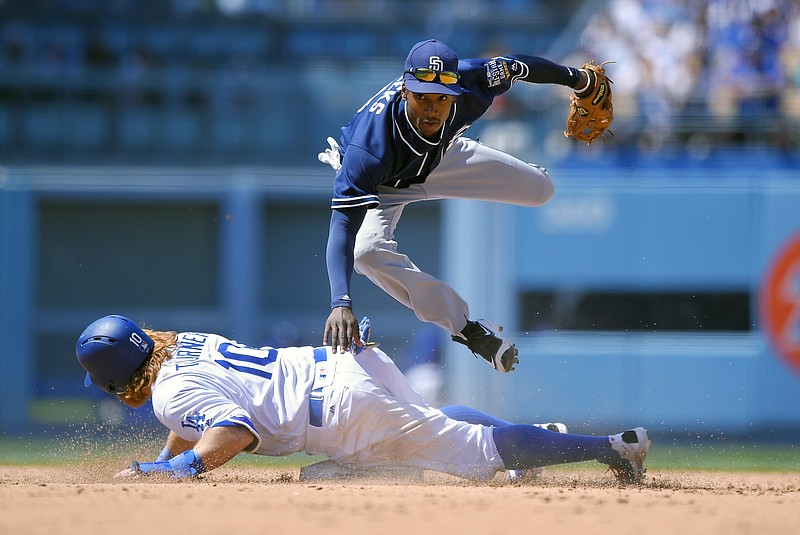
(363, 334)
(187, 464)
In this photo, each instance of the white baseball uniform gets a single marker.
(357, 410)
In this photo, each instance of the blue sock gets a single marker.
(528, 446)
(462, 413)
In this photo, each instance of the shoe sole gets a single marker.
(638, 461)
(637, 458)
(509, 359)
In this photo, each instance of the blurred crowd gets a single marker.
(700, 68)
(691, 73)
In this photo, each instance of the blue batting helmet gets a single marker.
(110, 350)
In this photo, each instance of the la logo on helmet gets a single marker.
(140, 344)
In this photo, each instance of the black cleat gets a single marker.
(482, 338)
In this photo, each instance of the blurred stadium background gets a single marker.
(159, 161)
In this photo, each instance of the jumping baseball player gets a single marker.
(404, 145)
(219, 398)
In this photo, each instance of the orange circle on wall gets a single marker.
(780, 302)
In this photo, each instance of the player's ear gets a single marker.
(403, 92)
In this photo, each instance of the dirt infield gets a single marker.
(244, 500)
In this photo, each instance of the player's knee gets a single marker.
(548, 190)
(367, 245)
(364, 256)
(542, 187)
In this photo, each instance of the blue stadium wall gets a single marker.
(241, 251)
(661, 229)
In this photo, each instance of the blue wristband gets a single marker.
(165, 455)
(187, 464)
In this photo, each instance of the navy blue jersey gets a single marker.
(380, 147)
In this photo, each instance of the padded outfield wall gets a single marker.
(634, 249)
(594, 286)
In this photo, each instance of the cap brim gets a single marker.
(436, 88)
(87, 381)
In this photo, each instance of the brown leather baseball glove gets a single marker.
(591, 110)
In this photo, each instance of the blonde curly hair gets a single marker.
(139, 387)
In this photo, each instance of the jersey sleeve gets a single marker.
(499, 73)
(339, 256)
(190, 409)
(543, 71)
(356, 183)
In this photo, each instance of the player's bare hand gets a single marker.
(127, 473)
(342, 327)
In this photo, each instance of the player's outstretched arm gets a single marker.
(341, 325)
(217, 446)
(221, 444)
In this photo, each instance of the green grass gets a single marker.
(744, 456)
(72, 433)
(35, 451)
(80, 445)
(57, 411)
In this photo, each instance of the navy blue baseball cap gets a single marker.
(436, 56)
(110, 350)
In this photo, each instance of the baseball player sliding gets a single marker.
(219, 398)
(405, 145)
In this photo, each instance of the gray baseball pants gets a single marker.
(468, 170)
